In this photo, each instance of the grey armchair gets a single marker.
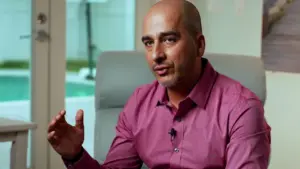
(119, 73)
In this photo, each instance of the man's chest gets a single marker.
(193, 141)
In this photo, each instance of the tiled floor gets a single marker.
(283, 114)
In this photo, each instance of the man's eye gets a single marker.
(170, 40)
(148, 43)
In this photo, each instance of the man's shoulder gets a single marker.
(144, 90)
(234, 100)
(233, 90)
(144, 94)
(240, 105)
(143, 98)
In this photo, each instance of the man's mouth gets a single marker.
(161, 69)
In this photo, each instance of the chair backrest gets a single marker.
(119, 73)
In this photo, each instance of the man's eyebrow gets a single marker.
(169, 33)
(162, 34)
(147, 37)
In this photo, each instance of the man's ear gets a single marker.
(200, 44)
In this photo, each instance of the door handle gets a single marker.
(40, 35)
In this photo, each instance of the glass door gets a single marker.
(24, 52)
(93, 27)
(84, 29)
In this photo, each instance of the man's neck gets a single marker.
(179, 92)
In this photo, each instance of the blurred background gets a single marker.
(44, 43)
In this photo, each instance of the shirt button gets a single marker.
(176, 150)
(178, 119)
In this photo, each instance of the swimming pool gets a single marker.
(16, 88)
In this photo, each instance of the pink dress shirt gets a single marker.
(220, 125)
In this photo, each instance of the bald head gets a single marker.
(172, 36)
(186, 13)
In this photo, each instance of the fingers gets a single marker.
(52, 138)
(57, 120)
(56, 129)
(61, 116)
(79, 119)
(59, 125)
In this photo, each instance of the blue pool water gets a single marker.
(14, 88)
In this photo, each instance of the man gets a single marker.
(191, 117)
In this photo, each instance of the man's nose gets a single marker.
(158, 54)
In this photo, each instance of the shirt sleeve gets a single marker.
(85, 161)
(122, 153)
(250, 140)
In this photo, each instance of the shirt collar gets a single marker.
(201, 91)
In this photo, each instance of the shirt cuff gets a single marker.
(84, 161)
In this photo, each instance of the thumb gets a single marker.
(79, 119)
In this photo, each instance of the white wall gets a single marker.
(229, 31)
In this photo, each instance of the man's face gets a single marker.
(170, 49)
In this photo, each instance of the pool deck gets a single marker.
(70, 76)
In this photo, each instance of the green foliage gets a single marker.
(72, 65)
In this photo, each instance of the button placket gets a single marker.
(178, 119)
